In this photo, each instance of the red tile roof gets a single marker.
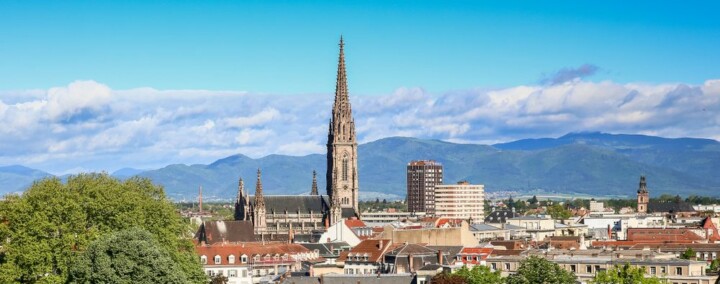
(373, 249)
(354, 223)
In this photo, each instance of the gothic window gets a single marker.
(345, 168)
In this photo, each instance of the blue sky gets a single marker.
(285, 46)
(102, 85)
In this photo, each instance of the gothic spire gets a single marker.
(259, 199)
(314, 190)
(342, 125)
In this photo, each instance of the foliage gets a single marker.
(46, 228)
(447, 278)
(127, 256)
(688, 254)
(625, 274)
(479, 274)
(557, 211)
(219, 279)
(378, 205)
(535, 269)
(714, 265)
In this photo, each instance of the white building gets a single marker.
(460, 201)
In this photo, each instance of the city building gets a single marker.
(597, 206)
(676, 207)
(247, 262)
(422, 177)
(304, 214)
(460, 201)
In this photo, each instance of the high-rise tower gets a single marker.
(342, 170)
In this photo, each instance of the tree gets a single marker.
(479, 274)
(714, 265)
(557, 211)
(219, 279)
(127, 256)
(47, 227)
(535, 269)
(447, 278)
(625, 274)
(688, 254)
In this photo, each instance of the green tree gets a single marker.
(535, 269)
(479, 274)
(447, 278)
(52, 222)
(557, 211)
(127, 256)
(688, 254)
(625, 274)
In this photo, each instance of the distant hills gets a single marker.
(586, 163)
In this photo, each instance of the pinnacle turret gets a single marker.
(259, 199)
(314, 190)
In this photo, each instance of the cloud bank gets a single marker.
(87, 125)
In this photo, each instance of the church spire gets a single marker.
(314, 190)
(259, 199)
(643, 185)
(342, 125)
(241, 203)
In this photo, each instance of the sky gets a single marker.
(102, 85)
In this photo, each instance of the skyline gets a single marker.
(145, 85)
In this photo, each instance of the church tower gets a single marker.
(241, 210)
(259, 220)
(643, 196)
(342, 170)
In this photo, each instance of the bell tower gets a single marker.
(342, 170)
(643, 196)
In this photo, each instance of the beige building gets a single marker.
(449, 236)
(460, 201)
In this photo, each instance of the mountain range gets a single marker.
(594, 163)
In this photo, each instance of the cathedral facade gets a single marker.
(305, 214)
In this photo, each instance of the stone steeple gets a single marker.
(259, 206)
(342, 174)
(314, 190)
(241, 210)
(643, 196)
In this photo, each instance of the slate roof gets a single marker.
(483, 227)
(670, 207)
(294, 203)
(212, 232)
(500, 216)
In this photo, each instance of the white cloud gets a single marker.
(87, 125)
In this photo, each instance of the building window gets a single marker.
(573, 268)
(662, 270)
(203, 259)
(243, 258)
(468, 258)
(232, 273)
(345, 168)
(588, 268)
(231, 259)
(217, 259)
(678, 270)
(493, 266)
(507, 266)
(653, 271)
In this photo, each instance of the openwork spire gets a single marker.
(259, 199)
(314, 190)
(342, 125)
(241, 191)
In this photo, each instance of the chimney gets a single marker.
(440, 257)
(410, 263)
(200, 198)
(609, 232)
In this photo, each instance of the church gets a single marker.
(303, 214)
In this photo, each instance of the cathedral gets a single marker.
(303, 214)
